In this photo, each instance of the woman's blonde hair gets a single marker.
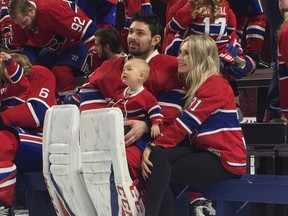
(203, 6)
(204, 59)
(22, 60)
(285, 17)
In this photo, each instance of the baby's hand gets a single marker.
(155, 131)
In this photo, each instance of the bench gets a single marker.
(235, 195)
(232, 195)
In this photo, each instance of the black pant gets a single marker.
(183, 165)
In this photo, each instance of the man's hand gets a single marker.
(138, 128)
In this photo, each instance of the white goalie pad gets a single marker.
(95, 136)
(102, 144)
(62, 160)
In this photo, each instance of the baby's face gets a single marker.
(130, 74)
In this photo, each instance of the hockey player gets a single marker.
(250, 14)
(213, 18)
(143, 40)
(131, 7)
(107, 43)
(107, 46)
(42, 24)
(195, 17)
(163, 83)
(193, 149)
(103, 14)
(20, 124)
(135, 101)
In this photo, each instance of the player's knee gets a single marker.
(7, 181)
(9, 146)
(134, 157)
(64, 76)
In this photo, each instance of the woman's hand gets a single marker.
(146, 163)
(138, 128)
(5, 56)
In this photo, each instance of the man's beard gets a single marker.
(138, 52)
(32, 25)
(103, 56)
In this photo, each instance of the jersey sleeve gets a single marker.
(153, 109)
(106, 14)
(91, 97)
(181, 20)
(146, 7)
(19, 82)
(17, 39)
(41, 97)
(73, 24)
(5, 20)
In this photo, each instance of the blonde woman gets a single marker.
(205, 144)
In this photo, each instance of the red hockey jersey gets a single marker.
(218, 28)
(56, 30)
(212, 118)
(163, 83)
(16, 89)
(31, 113)
(139, 105)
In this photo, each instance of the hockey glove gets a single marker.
(227, 57)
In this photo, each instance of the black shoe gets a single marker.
(260, 64)
(6, 210)
(202, 207)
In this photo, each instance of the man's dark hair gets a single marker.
(16, 6)
(152, 20)
(111, 36)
